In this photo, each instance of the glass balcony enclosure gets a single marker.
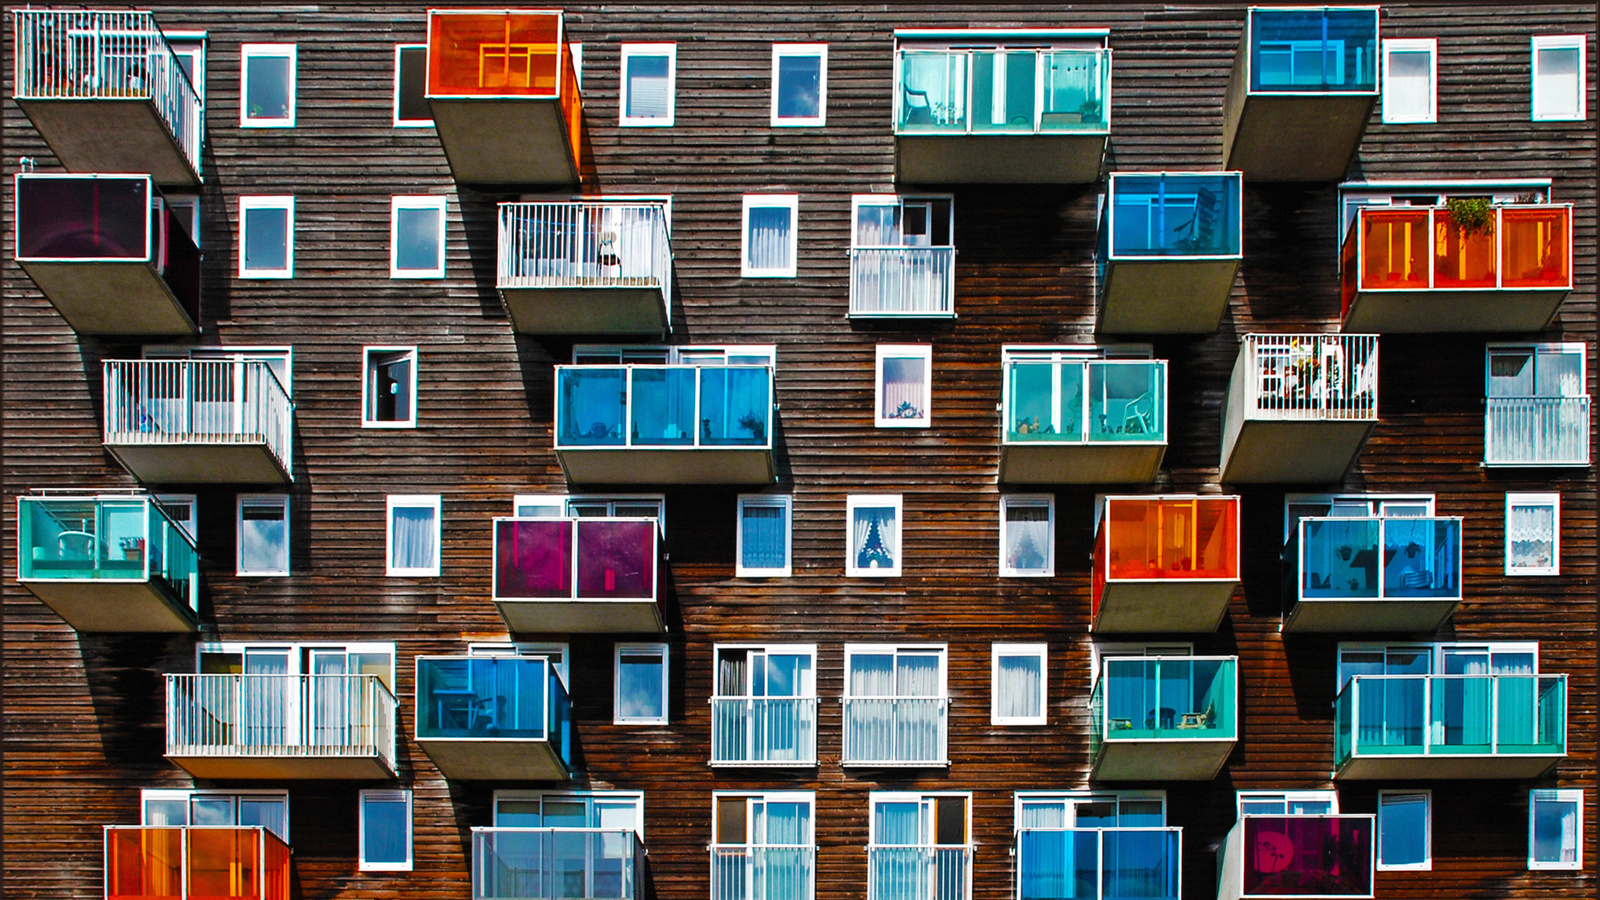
(572, 574)
(1300, 407)
(1163, 718)
(1313, 50)
(1373, 574)
(196, 862)
(108, 562)
(1071, 419)
(557, 864)
(493, 717)
(1164, 563)
(1098, 863)
(585, 267)
(1298, 856)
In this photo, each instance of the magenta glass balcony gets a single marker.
(1298, 856)
(577, 574)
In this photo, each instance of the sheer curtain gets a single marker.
(1028, 538)
(771, 237)
(1044, 851)
(764, 537)
(874, 537)
(1017, 687)
(1531, 531)
(415, 545)
(904, 389)
(868, 719)
(783, 830)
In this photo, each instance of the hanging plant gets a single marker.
(1473, 215)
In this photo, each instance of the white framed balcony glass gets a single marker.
(764, 846)
(919, 846)
(1405, 830)
(1555, 829)
(181, 808)
(267, 85)
(902, 255)
(649, 83)
(412, 535)
(872, 542)
(799, 85)
(641, 677)
(411, 109)
(1018, 684)
(769, 227)
(266, 237)
(556, 653)
(1533, 533)
(1357, 506)
(1537, 405)
(764, 536)
(416, 236)
(389, 387)
(902, 387)
(561, 844)
(1410, 80)
(1027, 536)
(570, 809)
(1118, 839)
(621, 506)
(896, 701)
(1559, 78)
(384, 831)
(262, 536)
(764, 710)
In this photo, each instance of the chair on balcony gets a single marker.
(507, 55)
(918, 113)
(1192, 720)
(1139, 416)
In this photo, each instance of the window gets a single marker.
(1559, 78)
(873, 544)
(769, 236)
(187, 209)
(1017, 678)
(1555, 829)
(1405, 830)
(267, 79)
(291, 660)
(1027, 536)
(412, 535)
(902, 388)
(411, 109)
(764, 705)
(1519, 658)
(1410, 73)
(912, 836)
(1389, 506)
(895, 705)
(183, 808)
(385, 831)
(1537, 407)
(1086, 809)
(764, 845)
(799, 84)
(764, 540)
(649, 79)
(389, 388)
(902, 259)
(556, 653)
(416, 237)
(263, 535)
(181, 509)
(641, 684)
(266, 237)
(623, 506)
(1533, 534)
(1288, 803)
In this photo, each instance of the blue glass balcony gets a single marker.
(1081, 421)
(1373, 574)
(1098, 863)
(493, 717)
(1163, 718)
(1303, 856)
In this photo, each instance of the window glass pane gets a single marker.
(1017, 686)
(415, 543)
(1028, 541)
(389, 387)
(641, 679)
(1558, 82)
(1555, 828)
(263, 537)
(266, 238)
(272, 813)
(1409, 87)
(799, 87)
(213, 810)
(771, 232)
(905, 387)
(1402, 829)
(1531, 534)
(875, 538)
(764, 536)
(174, 811)
(413, 104)
(416, 238)
(267, 79)
(384, 829)
(647, 96)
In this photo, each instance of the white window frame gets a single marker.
(1038, 651)
(1412, 45)
(1426, 865)
(876, 797)
(886, 352)
(1071, 800)
(613, 798)
(399, 122)
(298, 654)
(187, 794)
(1378, 505)
(388, 796)
(1288, 797)
(1559, 42)
(412, 501)
(564, 504)
(809, 798)
(790, 269)
(1100, 651)
(1048, 570)
(435, 202)
(191, 523)
(369, 364)
(820, 51)
(782, 502)
(1549, 499)
(187, 208)
(666, 677)
(629, 51)
(246, 53)
(1573, 796)
(283, 202)
(280, 500)
(558, 654)
(870, 501)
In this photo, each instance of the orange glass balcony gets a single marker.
(504, 95)
(1411, 269)
(195, 863)
(1164, 563)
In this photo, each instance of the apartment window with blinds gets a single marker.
(413, 535)
(769, 236)
(1027, 536)
(1555, 829)
(1017, 680)
(385, 831)
(649, 78)
(262, 537)
(1410, 77)
(389, 389)
(874, 538)
(764, 536)
(903, 387)
(1405, 830)
(641, 676)
(1559, 78)
(1533, 534)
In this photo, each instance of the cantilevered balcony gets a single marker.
(1170, 245)
(107, 93)
(1000, 115)
(1303, 856)
(672, 424)
(1450, 726)
(1098, 863)
(764, 731)
(180, 421)
(557, 864)
(1164, 563)
(1303, 86)
(1372, 574)
(578, 575)
(585, 267)
(493, 717)
(902, 282)
(1416, 269)
(108, 254)
(281, 726)
(764, 871)
(504, 94)
(108, 563)
(896, 732)
(1081, 421)
(1163, 718)
(1300, 407)
(197, 862)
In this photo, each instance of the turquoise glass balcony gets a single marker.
(1081, 421)
(493, 717)
(1301, 856)
(664, 424)
(1170, 245)
(108, 563)
(1373, 574)
(1098, 863)
(1450, 726)
(1163, 718)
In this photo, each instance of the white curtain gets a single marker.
(771, 237)
(904, 384)
(764, 537)
(871, 675)
(917, 676)
(1531, 531)
(1016, 688)
(1028, 538)
(415, 543)
(875, 530)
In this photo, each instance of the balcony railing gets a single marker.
(919, 872)
(1172, 215)
(1536, 431)
(1311, 377)
(763, 872)
(1317, 51)
(556, 864)
(584, 244)
(1377, 558)
(195, 863)
(1098, 863)
(1085, 401)
(764, 731)
(1443, 716)
(896, 731)
(1298, 856)
(902, 281)
(1041, 91)
(195, 402)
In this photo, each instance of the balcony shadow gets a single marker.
(1293, 230)
(218, 260)
(480, 221)
(125, 675)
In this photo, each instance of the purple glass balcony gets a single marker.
(577, 574)
(1298, 856)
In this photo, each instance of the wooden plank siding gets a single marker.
(83, 714)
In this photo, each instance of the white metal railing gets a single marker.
(305, 716)
(919, 872)
(763, 871)
(584, 243)
(902, 281)
(198, 401)
(1536, 431)
(103, 55)
(895, 730)
(764, 730)
(556, 863)
(1311, 376)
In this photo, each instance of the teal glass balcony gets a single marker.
(1303, 87)
(1373, 574)
(1450, 726)
(1300, 407)
(1303, 856)
(665, 424)
(557, 864)
(1163, 718)
(1098, 863)
(1170, 245)
(1081, 421)
(108, 563)
(493, 717)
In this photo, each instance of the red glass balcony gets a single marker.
(1298, 856)
(195, 863)
(1165, 563)
(577, 574)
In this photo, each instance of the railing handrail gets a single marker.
(1063, 829)
(847, 698)
(300, 677)
(1549, 677)
(967, 847)
(1347, 704)
(553, 829)
(151, 505)
(1318, 376)
(182, 401)
(715, 697)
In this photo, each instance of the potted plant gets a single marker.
(752, 423)
(1473, 215)
(1089, 110)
